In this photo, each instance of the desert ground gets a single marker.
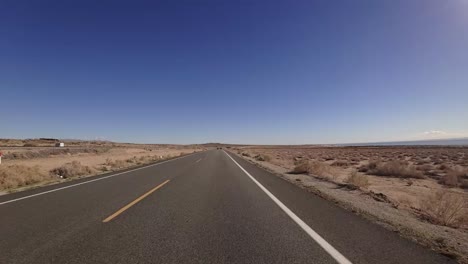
(418, 191)
(421, 192)
(36, 162)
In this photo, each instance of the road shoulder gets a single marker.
(445, 241)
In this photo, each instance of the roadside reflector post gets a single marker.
(1, 154)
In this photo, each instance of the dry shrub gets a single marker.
(425, 167)
(443, 167)
(340, 163)
(72, 169)
(147, 159)
(445, 208)
(315, 168)
(320, 169)
(131, 160)
(119, 164)
(262, 157)
(44, 153)
(19, 175)
(453, 177)
(144, 159)
(371, 165)
(464, 184)
(450, 179)
(301, 167)
(395, 168)
(108, 162)
(358, 180)
(403, 201)
(116, 164)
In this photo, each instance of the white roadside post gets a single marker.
(1, 158)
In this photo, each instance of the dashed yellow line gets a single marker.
(123, 209)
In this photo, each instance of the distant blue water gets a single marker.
(433, 142)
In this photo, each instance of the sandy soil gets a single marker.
(396, 189)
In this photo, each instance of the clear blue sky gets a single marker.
(279, 72)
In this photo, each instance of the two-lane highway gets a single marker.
(208, 207)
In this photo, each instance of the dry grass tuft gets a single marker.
(371, 165)
(71, 169)
(116, 164)
(262, 157)
(358, 180)
(395, 168)
(134, 161)
(454, 177)
(15, 176)
(49, 152)
(315, 168)
(450, 179)
(320, 169)
(464, 184)
(301, 168)
(445, 208)
(340, 163)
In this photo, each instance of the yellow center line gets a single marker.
(133, 203)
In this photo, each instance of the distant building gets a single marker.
(60, 144)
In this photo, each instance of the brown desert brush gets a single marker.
(358, 180)
(445, 208)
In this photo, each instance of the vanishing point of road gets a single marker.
(207, 207)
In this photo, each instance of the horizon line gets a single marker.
(221, 143)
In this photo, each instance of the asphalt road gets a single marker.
(202, 208)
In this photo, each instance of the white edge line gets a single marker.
(198, 161)
(81, 183)
(324, 244)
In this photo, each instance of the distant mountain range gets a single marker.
(430, 142)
